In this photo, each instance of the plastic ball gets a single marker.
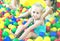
(11, 26)
(3, 12)
(13, 30)
(24, 9)
(1, 26)
(7, 38)
(18, 20)
(29, 40)
(53, 22)
(0, 32)
(53, 34)
(1, 38)
(26, 39)
(15, 23)
(28, 7)
(51, 19)
(54, 29)
(10, 16)
(47, 28)
(21, 9)
(56, 19)
(48, 23)
(21, 40)
(13, 18)
(58, 33)
(47, 38)
(42, 34)
(8, 9)
(47, 34)
(39, 39)
(11, 36)
(7, 30)
(24, 22)
(13, 12)
(53, 38)
(6, 14)
(58, 29)
(15, 39)
(56, 40)
(5, 34)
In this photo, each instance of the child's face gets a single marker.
(48, 2)
(36, 12)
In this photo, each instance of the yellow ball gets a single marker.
(48, 24)
(54, 29)
(47, 38)
(0, 10)
(7, 30)
(1, 26)
(11, 26)
(29, 40)
(6, 14)
(51, 19)
(3, 9)
(39, 39)
(1, 19)
(11, 36)
(56, 14)
(58, 29)
(24, 9)
(19, 23)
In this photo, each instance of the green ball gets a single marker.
(30, 24)
(6, 23)
(21, 5)
(5, 34)
(53, 38)
(0, 15)
(47, 34)
(13, 30)
(13, 12)
(15, 39)
(28, 7)
(15, 23)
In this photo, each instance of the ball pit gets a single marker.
(9, 21)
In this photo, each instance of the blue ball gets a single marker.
(56, 19)
(46, 20)
(3, 12)
(53, 34)
(21, 40)
(24, 22)
(42, 34)
(8, 9)
(7, 39)
(13, 18)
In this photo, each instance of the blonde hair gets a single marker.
(39, 5)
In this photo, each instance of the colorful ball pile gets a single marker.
(9, 21)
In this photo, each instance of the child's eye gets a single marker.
(33, 11)
(37, 12)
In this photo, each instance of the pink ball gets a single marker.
(58, 33)
(47, 28)
(0, 32)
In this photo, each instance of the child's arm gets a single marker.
(48, 11)
(21, 28)
(25, 14)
